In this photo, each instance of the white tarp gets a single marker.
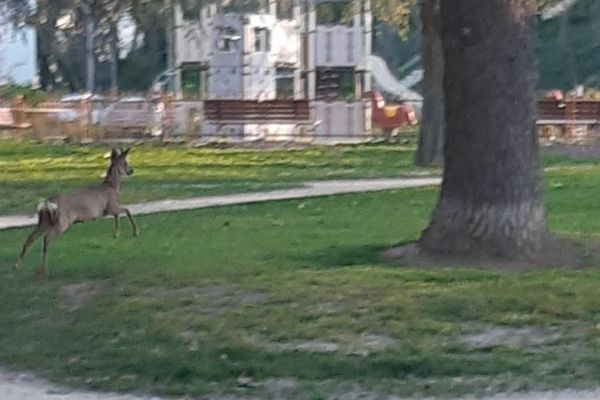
(285, 42)
(386, 82)
(557, 9)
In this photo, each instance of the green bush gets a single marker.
(30, 96)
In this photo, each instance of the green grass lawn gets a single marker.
(294, 289)
(31, 171)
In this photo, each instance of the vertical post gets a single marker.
(247, 47)
(212, 12)
(89, 47)
(178, 23)
(368, 37)
(273, 7)
(19, 114)
(311, 72)
(85, 118)
(167, 117)
(114, 56)
(170, 33)
(357, 37)
(300, 30)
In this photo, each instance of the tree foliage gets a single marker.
(394, 13)
(544, 4)
(61, 30)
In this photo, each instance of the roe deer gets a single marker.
(56, 214)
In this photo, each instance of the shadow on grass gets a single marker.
(343, 256)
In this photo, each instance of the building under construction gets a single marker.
(273, 74)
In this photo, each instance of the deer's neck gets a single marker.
(112, 178)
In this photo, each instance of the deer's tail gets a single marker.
(47, 208)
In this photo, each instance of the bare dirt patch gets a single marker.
(219, 299)
(329, 307)
(497, 336)
(558, 253)
(76, 295)
(361, 345)
(309, 346)
(211, 300)
(280, 386)
(367, 344)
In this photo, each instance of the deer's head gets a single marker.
(118, 162)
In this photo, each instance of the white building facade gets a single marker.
(261, 76)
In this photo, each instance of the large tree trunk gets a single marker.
(491, 198)
(431, 137)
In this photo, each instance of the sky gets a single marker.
(18, 57)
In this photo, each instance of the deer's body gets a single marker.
(56, 214)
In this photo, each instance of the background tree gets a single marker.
(393, 13)
(490, 203)
(61, 25)
(431, 134)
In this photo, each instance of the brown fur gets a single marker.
(56, 214)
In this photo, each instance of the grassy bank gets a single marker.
(293, 292)
(31, 171)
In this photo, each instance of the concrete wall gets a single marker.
(191, 43)
(225, 74)
(342, 119)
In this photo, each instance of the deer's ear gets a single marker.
(125, 152)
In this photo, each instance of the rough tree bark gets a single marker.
(431, 136)
(490, 204)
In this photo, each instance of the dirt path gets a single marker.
(310, 189)
(23, 386)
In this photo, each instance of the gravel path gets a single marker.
(310, 189)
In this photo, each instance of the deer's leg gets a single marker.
(117, 225)
(136, 231)
(28, 242)
(43, 270)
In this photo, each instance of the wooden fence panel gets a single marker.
(254, 111)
